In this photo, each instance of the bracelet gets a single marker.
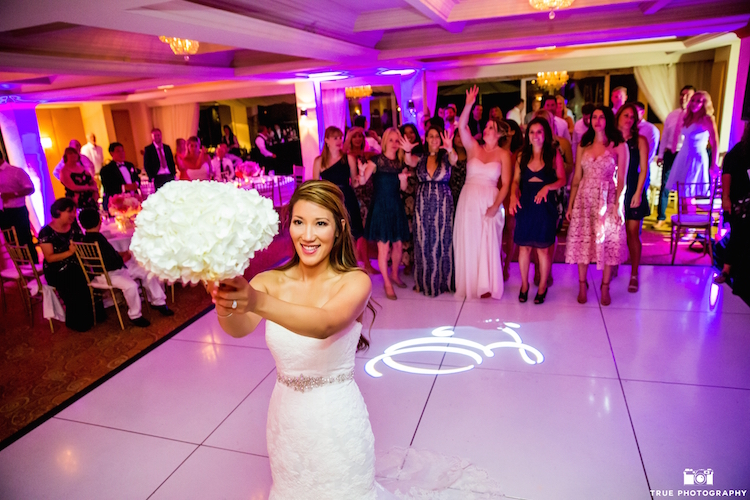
(222, 316)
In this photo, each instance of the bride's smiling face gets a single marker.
(313, 231)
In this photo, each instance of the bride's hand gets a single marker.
(230, 291)
(492, 211)
(471, 96)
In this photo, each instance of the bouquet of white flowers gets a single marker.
(202, 231)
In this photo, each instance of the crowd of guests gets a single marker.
(453, 205)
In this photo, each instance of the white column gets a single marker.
(738, 125)
(309, 126)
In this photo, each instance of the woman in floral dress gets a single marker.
(595, 210)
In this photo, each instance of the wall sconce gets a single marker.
(46, 142)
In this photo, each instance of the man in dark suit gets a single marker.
(118, 175)
(158, 160)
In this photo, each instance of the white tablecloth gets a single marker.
(278, 187)
(118, 239)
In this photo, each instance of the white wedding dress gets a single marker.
(320, 443)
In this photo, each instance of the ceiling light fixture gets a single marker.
(401, 72)
(358, 92)
(326, 76)
(551, 80)
(181, 46)
(550, 5)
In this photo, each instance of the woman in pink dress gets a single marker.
(595, 210)
(480, 216)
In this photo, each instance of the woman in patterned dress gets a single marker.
(433, 213)
(354, 147)
(411, 134)
(595, 211)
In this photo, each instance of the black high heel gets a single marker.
(539, 299)
(523, 296)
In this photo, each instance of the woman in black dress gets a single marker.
(334, 166)
(386, 221)
(539, 172)
(636, 203)
(80, 186)
(61, 267)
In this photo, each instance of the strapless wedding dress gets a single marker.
(320, 443)
(199, 174)
(477, 239)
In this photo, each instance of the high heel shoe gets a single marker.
(391, 295)
(539, 299)
(582, 298)
(606, 299)
(398, 283)
(523, 296)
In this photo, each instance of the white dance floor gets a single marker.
(626, 399)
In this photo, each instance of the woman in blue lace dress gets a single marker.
(433, 213)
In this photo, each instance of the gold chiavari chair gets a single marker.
(90, 257)
(27, 273)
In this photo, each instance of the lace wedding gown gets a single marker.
(320, 443)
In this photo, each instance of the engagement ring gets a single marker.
(234, 304)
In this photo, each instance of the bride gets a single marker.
(480, 216)
(320, 443)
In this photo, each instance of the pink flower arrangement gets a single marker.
(125, 205)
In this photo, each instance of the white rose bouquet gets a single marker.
(202, 231)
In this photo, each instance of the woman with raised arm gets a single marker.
(595, 211)
(320, 443)
(433, 212)
(478, 227)
(386, 220)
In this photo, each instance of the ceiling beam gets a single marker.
(388, 19)
(477, 10)
(46, 65)
(650, 8)
(438, 11)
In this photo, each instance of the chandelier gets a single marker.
(181, 46)
(358, 92)
(551, 5)
(551, 80)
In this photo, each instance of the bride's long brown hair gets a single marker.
(342, 258)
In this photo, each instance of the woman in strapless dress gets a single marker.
(196, 161)
(320, 442)
(480, 216)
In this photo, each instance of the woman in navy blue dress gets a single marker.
(334, 166)
(539, 172)
(433, 213)
(386, 220)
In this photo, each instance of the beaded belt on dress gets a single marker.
(303, 383)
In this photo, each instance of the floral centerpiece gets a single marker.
(124, 207)
(202, 231)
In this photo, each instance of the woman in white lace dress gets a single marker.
(320, 443)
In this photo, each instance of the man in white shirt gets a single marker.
(649, 131)
(83, 160)
(221, 166)
(670, 144)
(93, 152)
(516, 112)
(15, 186)
(260, 142)
(618, 97)
(581, 127)
(549, 103)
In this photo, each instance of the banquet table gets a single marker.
(119, 239)
(279, 188)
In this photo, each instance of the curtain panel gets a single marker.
(176, 122)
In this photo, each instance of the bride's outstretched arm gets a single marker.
(317, 322)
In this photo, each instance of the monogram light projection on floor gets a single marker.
(444, 335)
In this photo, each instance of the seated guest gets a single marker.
(83, 160)
(179, 157)
(196, 161)
(61, 267)
(80, 185)
(158, 160)
(15, 186)
(221, 166)
(118, 176)
(122, 269)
